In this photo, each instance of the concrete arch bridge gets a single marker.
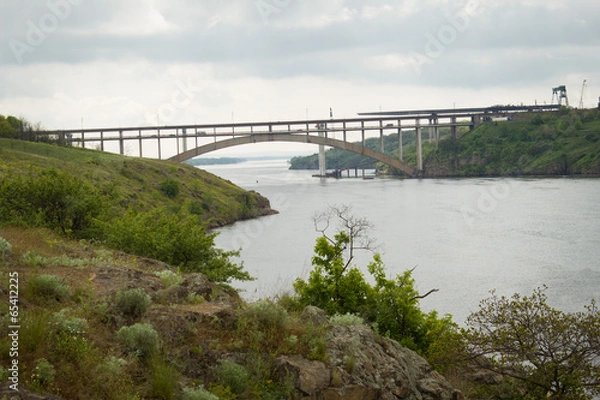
(182, 142)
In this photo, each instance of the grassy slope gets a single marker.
(135, 182)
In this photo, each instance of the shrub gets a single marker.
(5, 248)
(176, 239)
(263, 325)
(140, 340)
(346, 319)
(44, 373)
(233, 376)
(34, 330)
(49, 198)
(164, 380)
(549, 353)
(265, 315)
(71, 326)
(132, 303)
(169, 278)
(170, 188)
(48, 287)
(198, 394)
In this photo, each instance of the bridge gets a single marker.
(182, 142)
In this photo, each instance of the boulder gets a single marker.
(362, 366)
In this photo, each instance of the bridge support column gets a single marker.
(453, 127)
(121, 143)
(436, 132)
(381, 142)
(322, 161)
(158, 140)
(400, 145)
(141, 146)
(419, 145)
(475, 121)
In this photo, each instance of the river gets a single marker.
(465, 237)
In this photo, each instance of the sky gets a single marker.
(69, 64)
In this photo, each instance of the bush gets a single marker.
(132, 303)
(140, 340)
(169, 278)
(546, 352)
(5, 248)
(233, 376)
(178, 239)
(265, 315)
(170, 188)
(71, 326)
(48, 287)
(44, 374)
(347, 319)
(263, 325)
(49, 198)
(198, 394)
(164, 380)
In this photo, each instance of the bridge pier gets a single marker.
(381, 142)
(158, 139)
(322, 160)
(419, 145)
(475, 121)
(141, 147)
(121, 143)
(400, 145)
(453, 127)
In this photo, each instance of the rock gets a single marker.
(363, 366)
(314, 315)
(310, 377)
(371, 362)
(194, 284)
(110, 279)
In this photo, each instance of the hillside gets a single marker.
(115, 290)
(138, 184)
(563, 143)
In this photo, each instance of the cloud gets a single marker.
(119, 61)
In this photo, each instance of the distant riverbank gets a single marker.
(560, 143)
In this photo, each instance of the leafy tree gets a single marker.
(338, 287)
(49, 198)
(551, 354)
(178, 239)
(335, 285)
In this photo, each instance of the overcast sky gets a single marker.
(68, 63)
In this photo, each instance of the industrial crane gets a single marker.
(582, 90)
(560, 93)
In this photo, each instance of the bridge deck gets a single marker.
(174, 142)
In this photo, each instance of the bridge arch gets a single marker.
(299, 138)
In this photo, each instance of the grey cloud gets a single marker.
(232, 35)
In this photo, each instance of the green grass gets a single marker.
(138, 183)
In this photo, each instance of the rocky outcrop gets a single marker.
(361, 365)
